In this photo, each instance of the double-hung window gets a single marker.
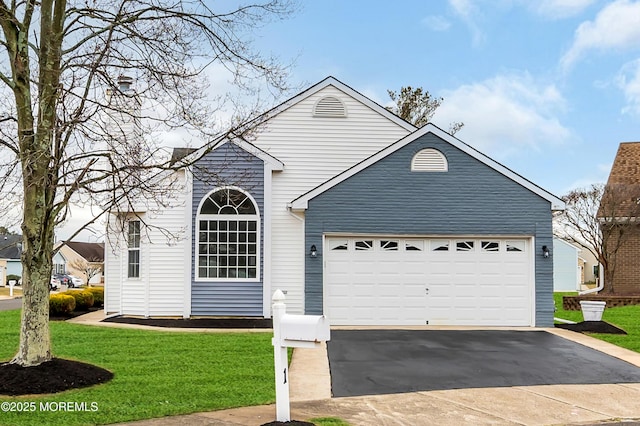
(133, 244)
(228, 237)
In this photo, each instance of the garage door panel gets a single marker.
(400, 281)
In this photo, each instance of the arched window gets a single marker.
(228, 237)
(429, 160)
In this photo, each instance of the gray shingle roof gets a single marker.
(10, 246)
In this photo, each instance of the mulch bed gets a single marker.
(289, 423)
(195, 322)
(593, 327)
(54, 376)
(73, 314)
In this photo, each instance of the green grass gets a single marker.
(155, 373)
(328, 421)
(626, 318)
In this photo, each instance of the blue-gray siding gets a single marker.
(470, 199)
(228, 165)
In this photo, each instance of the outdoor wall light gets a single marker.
(314, 250)
(545, 251)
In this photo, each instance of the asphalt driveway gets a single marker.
(373, 362)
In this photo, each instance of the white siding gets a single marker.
(160, 289)
(313, 150)
(566, 274)
(112, 270)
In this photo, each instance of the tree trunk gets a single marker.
(37, 244)
(35, 342)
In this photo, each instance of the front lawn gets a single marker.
(626, 318)
(155, 373)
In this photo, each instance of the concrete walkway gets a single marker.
(310, 390)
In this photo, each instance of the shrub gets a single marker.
(84, 299)
(61, 304)
(98, 296)
(14, 277)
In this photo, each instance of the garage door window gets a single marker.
(363, 245)
(339, 245)
(440, 245)
(490, 246)
(389, 245)
(464, 245)
(413, 245)
(227, 237)
(515, 246)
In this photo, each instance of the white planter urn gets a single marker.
(592, 310)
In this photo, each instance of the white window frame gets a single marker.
(226, 217)
(135, 248)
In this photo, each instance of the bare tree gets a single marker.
(62, 141)
(89, 269)
(417, 106)
(601, 219)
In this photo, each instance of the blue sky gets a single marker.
(549, 87)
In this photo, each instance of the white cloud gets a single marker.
(469, 12)
(558, 9)
(628, 80)
(436, 23)
(617, 26)
(505, 114)
(592, 175)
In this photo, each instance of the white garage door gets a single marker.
(435, 281)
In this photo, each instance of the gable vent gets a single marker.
(429, 160)
(329, 106)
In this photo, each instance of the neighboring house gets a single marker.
(353, 213)
(619, 212)
(59, 264)
(10, 252)
(567, 266)
(91, 254)
(591, 265)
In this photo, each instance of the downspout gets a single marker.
(600, 283)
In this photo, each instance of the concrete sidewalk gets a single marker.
(310, 390)
(537, 405)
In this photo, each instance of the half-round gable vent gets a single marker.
(429, 160)
(329, 106)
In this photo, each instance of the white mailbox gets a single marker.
(304, 331)
(297, 331)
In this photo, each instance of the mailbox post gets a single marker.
(12, 283)
(297, 331)
(281, 360)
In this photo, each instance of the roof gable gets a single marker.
(188, 155)
(301, 202)
(332, 81)
(91, 252)
(10, 246)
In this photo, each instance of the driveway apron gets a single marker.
(374, 362)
